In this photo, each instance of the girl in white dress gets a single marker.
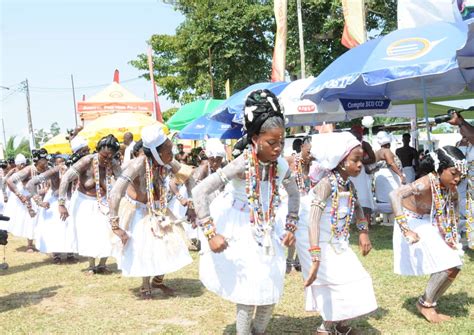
(337, 285)
(425, 238)
(243, 258)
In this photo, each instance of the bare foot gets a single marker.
(444, 317)
(429, 313)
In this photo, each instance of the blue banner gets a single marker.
(364, 104)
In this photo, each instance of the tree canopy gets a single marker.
(221, 40)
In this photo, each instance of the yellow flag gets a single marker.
(227, 89)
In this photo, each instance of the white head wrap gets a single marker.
(383, 138)
(215, 148)
(77, 143)
(152, 137)
(328, 150)
(20, 159)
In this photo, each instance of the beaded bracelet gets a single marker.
(363, 225)
(114, 222)
(61, 202)
(315, 253)
(179, 197)
(318, 203)
(402, 221)
(208, 228)
(222, 176)
(291, 223)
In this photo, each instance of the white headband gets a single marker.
(20, 159)
(215, 148)
(77, 143)
(459, 164)
(152, 137)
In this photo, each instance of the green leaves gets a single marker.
(234, 40)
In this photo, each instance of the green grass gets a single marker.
(39, 297)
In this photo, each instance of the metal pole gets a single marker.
(300, 33)
(28, 113)
(425, 110)
(4, 136)
(74, 99)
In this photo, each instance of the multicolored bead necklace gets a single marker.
(336, 181)
(150, 188)
(444, 213)
(259, 218)
(103, 206)
(301, 180)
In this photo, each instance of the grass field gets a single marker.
(39, 297)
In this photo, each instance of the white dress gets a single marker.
(429, 255)
(363, 185)
(385, 182)
(343, 289)
(244, 273)
(52, 234)
(21, 224)
(94, 234)
(145, 255)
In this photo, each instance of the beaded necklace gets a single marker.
(103, 206)
(259, 218)
(160, 212)
(336, 181)
(303, 186)
(443, 212)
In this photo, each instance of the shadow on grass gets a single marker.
(183, 287)
(380, 237)
(22, 299)
(25, 267)
(282, 324)
(455, 305)
(470, 254)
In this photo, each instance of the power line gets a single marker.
(82, 87)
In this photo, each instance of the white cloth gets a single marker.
(385, 182)
(410, 174)
(179, 211)
(215, 148)
(145, 255)
(127, 156)
(94, 234)
(343, 289)
(53, 234)
(383, 138)
(20, 159)
(429, 255)
(21, 224)
(417, 13)
(153, 136)
(363, 186)
(77, 143)
(243, 273)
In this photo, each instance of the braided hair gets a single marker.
(109, 141)
(442, 159)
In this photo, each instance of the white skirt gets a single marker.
(94, 234)
(21, 224)
(343, 289)
(145, 255)
(410, 174)
(363, 186)
(243, 273)
(385, 182)
(52, 234)
(429, 255)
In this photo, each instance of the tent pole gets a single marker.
(425, 110)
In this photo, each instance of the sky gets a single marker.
(45, 41)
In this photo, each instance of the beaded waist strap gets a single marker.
(414, 215)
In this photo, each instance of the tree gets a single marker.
(216, 42)
(22, 148)
(222, 40)
(54, 129)
(167, 114)
(41, 137)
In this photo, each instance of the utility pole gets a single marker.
(3, 125)
(28, 111)
(74, 99)
(300, 33)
